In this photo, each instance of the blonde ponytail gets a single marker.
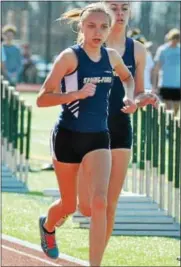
(79, 14)
(71, 15)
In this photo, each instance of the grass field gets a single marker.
(20, 212)
(21, 220)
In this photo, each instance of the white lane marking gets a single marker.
(30, 256)
(38, 248)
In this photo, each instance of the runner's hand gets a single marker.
(145, 99)
(87, 90)
(130, 105)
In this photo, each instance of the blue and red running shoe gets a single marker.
(48, 242)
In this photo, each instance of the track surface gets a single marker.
(20, 253)
(23, 87)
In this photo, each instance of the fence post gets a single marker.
(28, 136)
(142, 150)
(177, 169)
(170, 115)
(6, 123)
(21, 163)
(162, 156)
(10, 138)
(3, 120)
(15, 130)
(135, 153)
(155, 154)
(148, 149)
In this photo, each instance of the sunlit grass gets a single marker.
(20, 219)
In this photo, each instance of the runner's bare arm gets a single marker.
(142, 98)
(123, 72)
(140, 58)
(50, 93)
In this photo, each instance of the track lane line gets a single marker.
(30, 256)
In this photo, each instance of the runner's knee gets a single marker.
(99, 202)
(85, 210)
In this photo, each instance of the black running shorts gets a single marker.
(171, 94)
(70, 147)
(120, 131)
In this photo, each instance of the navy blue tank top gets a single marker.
(118, 92)
(90, 114)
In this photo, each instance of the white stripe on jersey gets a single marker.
(71, 85)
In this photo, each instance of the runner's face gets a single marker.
(121, 11)
(95, 28)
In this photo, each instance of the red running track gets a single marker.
(20, 253)
(23, 87)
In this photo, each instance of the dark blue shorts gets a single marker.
(70, 147)
(172, 94)
(120, 131)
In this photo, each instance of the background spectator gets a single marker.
(13, 61)
(29, 72)
(167, 71)
(3, 59)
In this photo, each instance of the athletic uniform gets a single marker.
(169, 75)
(119, 123)
(82, 125)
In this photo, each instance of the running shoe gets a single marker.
(48, 242)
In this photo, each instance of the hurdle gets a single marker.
(150, 201)
(16, 131)
(156, 158)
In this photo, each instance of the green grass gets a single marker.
(42, 180)
(21, 219)
(20, 212)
